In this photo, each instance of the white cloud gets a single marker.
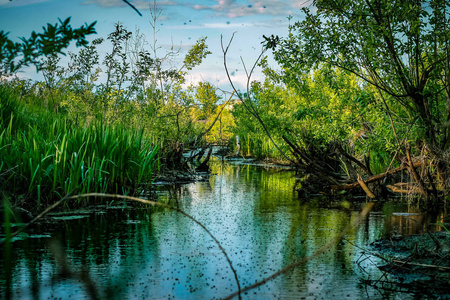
(215, 26)
(219, 80)
(228, 8)
(300, 4)
(106, 3)
(232, 26)
(222, 8)
(232, 9)
(139, 4)
(159, 4)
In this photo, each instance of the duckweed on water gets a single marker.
(136, 252)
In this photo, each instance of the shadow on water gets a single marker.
(136, 252)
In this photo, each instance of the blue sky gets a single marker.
(180, 24)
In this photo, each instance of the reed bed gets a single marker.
(43, 157)
(260, 147)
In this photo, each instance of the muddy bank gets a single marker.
(172, 177)
(415, 264)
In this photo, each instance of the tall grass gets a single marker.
(259, 146)
(44, 157)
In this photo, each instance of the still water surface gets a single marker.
(130, 253)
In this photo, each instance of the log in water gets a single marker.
(130, 251)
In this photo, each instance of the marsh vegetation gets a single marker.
(357, 106)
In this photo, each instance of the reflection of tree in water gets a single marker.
(252, 211)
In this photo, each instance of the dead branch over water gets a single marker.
(116, 196)
(91, 288)
(320, 251)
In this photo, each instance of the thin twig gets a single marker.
(249, 106)
(215, 120)
(133, 7)
(115, 196)
(318, 252)
(42, 214)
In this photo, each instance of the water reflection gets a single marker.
(156, 253)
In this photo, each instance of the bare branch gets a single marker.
(215, 120)
(318, 252)
(251, 110)
(133, 7)
(115, 196)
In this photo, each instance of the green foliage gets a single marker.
(116, 62)
(196, 54)
(223, 129)
(399, 47)
(207, 98)
(138, 91)
(45, 154)
(274, 105)
(53, 39)
(317, 109)
(49, 158)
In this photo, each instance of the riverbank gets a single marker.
(253, 212)
(414, 264)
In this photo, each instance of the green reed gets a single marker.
(44, 157)
(260, 147)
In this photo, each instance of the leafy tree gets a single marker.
(53, 78)
(207, 98)
(53, 39)
(401, 50)
(85, 71)
(116, 62)
(400, 47)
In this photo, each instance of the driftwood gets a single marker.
(374, 178)
(353, 159)
(417, 178)
(365, 188)
(325, 173)
(317, 166)
(405, 188)
(434, 267)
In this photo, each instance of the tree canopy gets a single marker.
(400, 47)
(53, 39)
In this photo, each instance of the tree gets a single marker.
(400, 47)
(116, 62)
(84, 71)
(54, 38)
(207, 98)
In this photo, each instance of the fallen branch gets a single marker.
(405, 188)
(414, 173)
(318, 252)
(373, 178)
(365, 188)
(68, 197)
(310, 165)
(353, 159)
(440, 268)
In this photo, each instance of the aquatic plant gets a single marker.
(43, 157)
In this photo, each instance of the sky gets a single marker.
(180, 24)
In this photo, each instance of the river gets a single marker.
(129, 252)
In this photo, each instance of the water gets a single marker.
(140, 253)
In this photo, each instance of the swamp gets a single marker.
(133, 251)
(326, 178)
